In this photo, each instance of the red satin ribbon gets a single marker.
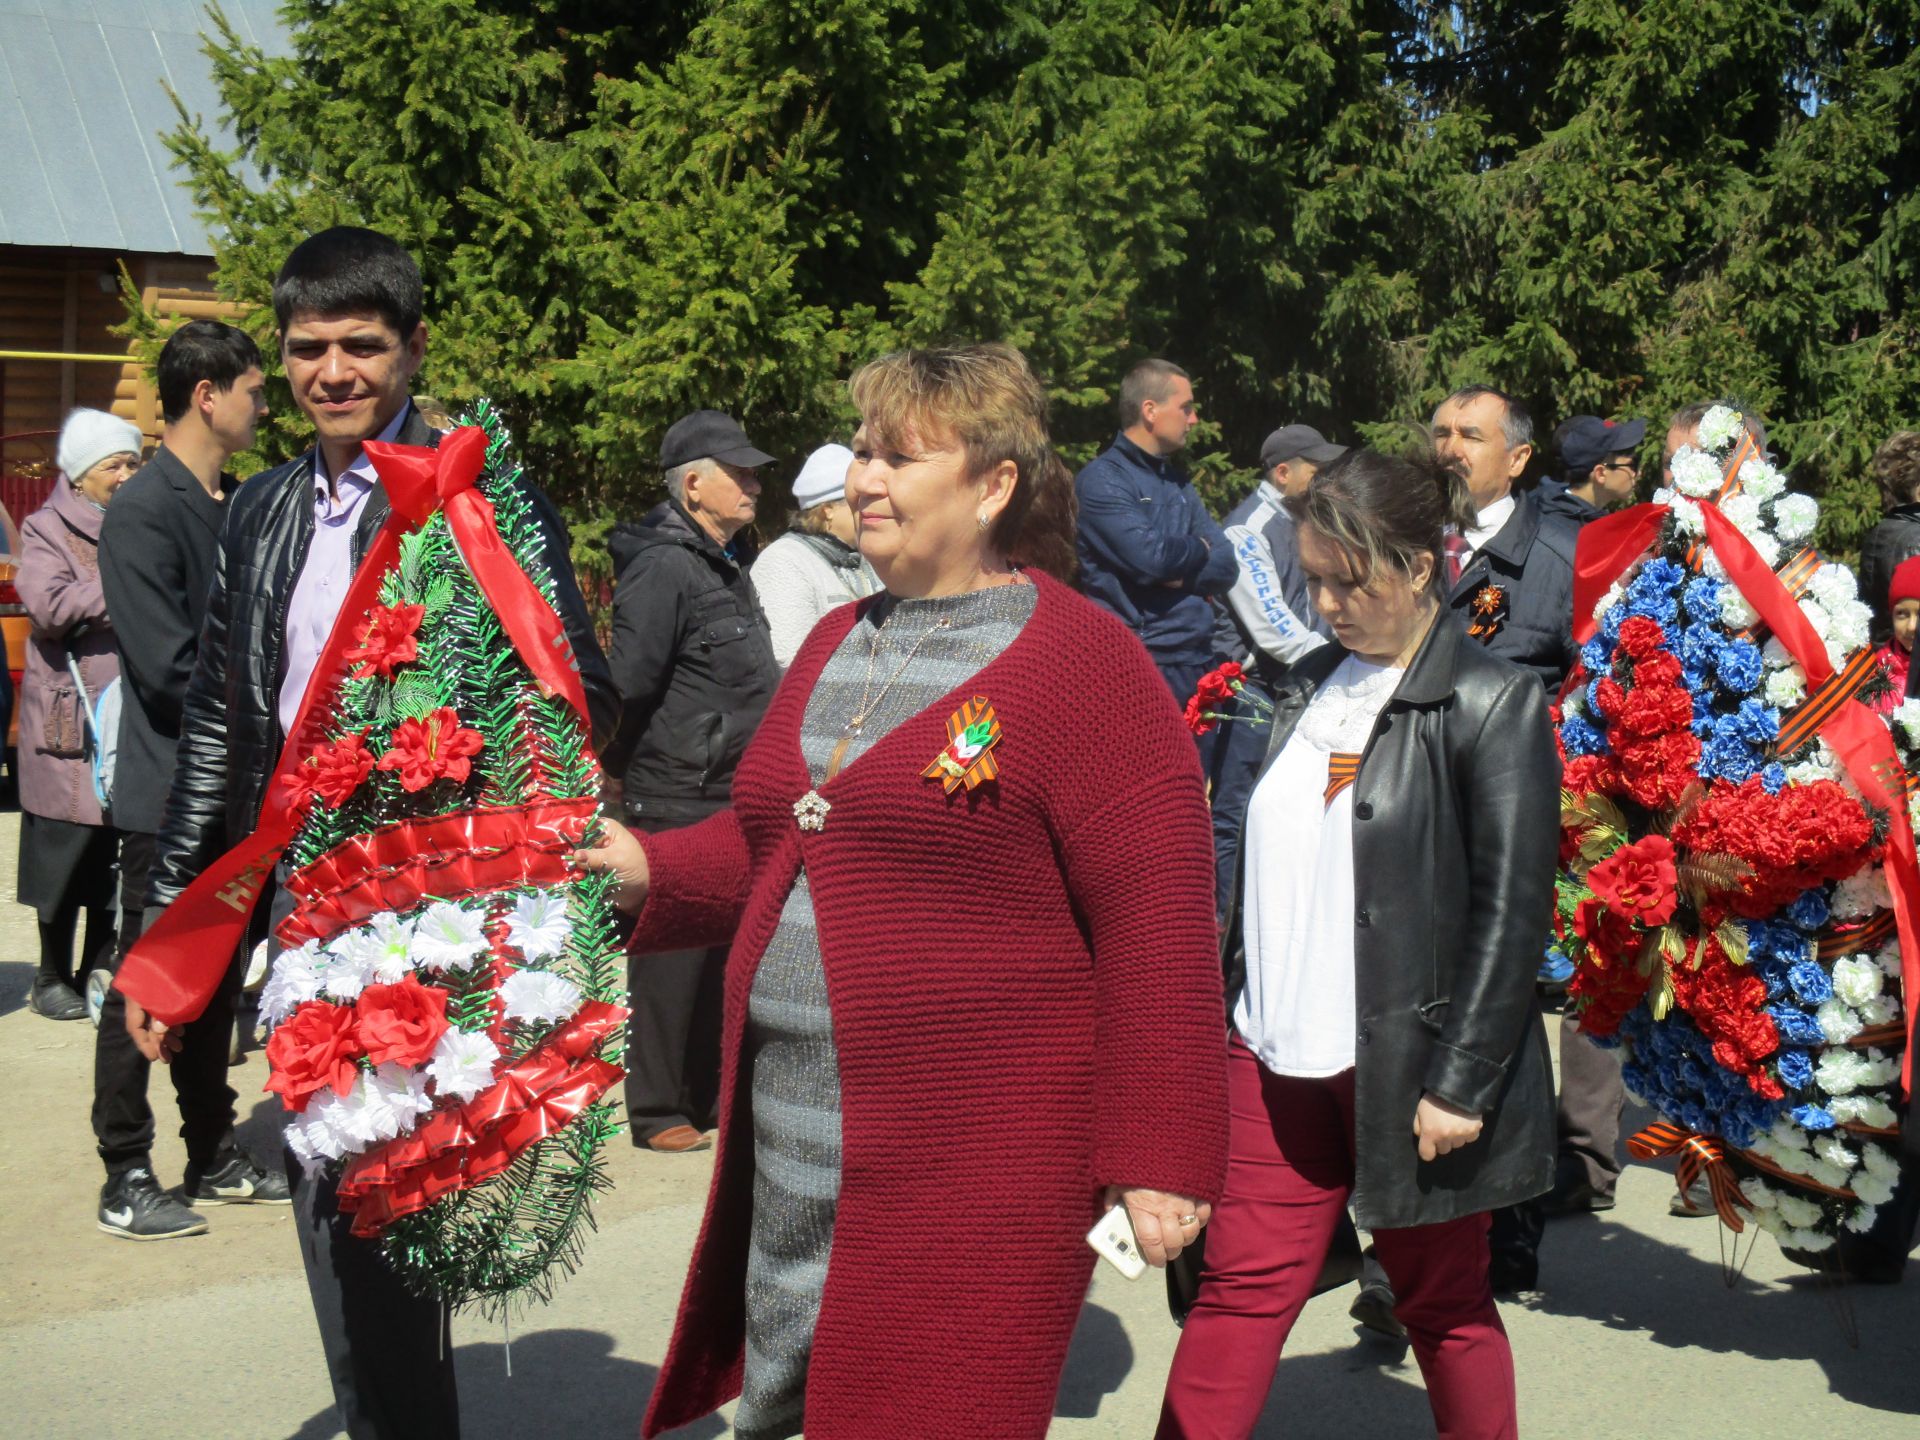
(444, 857)
(1697, 1153)
(1854, 734)
(181, 959)
(462, 1146)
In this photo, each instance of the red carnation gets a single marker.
(435, 748)
(1805, 836)
(1610, 936)
(1655, 710)
(1641, 637)
(1197, 719)
(401, 1023)
(1591, 775)
(1660, 669)
(332, 772)
(388, 641)
(1638, 881)
(314, 1049)
(1655, 773)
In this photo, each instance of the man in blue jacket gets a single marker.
(1149, 551)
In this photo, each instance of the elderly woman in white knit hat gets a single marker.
(67, 847)
(814, 566)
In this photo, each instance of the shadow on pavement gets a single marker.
(564, 1382)
(1098, 1361)
(16, 979)
(1335, 1397)
(1632, 1282)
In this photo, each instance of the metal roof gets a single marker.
(82, 105)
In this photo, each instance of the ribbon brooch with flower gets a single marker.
(972, 732)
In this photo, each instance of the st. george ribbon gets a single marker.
(1609, 546)
(180, 961)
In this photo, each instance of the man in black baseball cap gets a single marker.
(693, 659)
(1597, 468)
(1301, 449)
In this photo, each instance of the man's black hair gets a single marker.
(349, 270)
(202, 350)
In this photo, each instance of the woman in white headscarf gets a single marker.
(67, 848)
(814, 567)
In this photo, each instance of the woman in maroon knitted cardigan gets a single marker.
(1023, 974)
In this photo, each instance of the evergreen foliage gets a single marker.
(1330, 213)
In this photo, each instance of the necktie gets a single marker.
(1458, 553)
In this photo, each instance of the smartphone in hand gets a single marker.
(1113, 1241)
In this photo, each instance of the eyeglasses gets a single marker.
(1632, 467)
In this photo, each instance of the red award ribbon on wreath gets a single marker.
(1609, 547)
(179, 962)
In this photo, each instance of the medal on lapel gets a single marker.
(1489, 613)
(972, 732)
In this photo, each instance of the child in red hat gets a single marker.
(1903, 600)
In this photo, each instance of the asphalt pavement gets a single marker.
(1638, 1329)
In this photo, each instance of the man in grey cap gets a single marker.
(694, 663)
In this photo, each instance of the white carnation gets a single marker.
(1856, 979)
(1759, 1194)
(1786, 688)
(1817, 616)
(1615, 594)
(538, 926)
(1833, 1150)
(1863, 1216)
(1840, 1072)
(1819, 765)
(1879, 1160)
(1686, 513)
(1852, 624)
(1794, 517)
(1838, 1023)
(1785, 1135)
(1825, 1172)
(1833, 585)
(1766, 547)
(1744, 512)
(1812, 1241)
(538, 996)
(1759, 479)
(1888, 959)
(1796, 1210)
(295, 979)
(1717, 427)
(1882, 1009)
(462, 1064)
(449, 937)
(384, 1103)
(1871, 1189)
(1735, 612)
(1860, 894)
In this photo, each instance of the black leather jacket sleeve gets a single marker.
(194, 833)
(1509, 786)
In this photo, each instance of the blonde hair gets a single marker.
(988, 398)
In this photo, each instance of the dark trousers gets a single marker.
(1592, 1097)
(673, 1039)
(389, 1352)
(123, 1122)
(1239, 750)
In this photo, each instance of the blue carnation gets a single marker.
(1810, 983)
(1659, 576)
(1580, 738)
(1739, 666)
(1773, 778)
(1636, 1079)
(1703, 599)
(1796, 1027)
(1701, 646)
(1796, 1068)
(1726, 755)
(1773, 972)
(1809, 911)
(1703, 716)
(1757, 721)
(1812, 1117)
(1596, 656)
(1655, 607)
(1696, 1116)
(1611, 622)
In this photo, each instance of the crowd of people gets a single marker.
(1261, 983)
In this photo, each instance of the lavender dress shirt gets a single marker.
(321, 587)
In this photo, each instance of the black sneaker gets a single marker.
(56, 1000)
(1373, 1308)
(238, 1181)
(134, 1207)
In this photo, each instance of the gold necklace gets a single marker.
(851, 730)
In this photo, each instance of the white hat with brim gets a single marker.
(823, 477)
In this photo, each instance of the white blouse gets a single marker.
(1297, 1011)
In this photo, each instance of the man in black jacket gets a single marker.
(157, 548)
(694, 663)
(1511, 575)
(348, 304)
(1598, 468)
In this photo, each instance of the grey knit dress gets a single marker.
(916, 651)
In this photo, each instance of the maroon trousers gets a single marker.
(1290, 1170)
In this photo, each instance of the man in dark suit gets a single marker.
(348, 302)
(1511, 574)
(157, 550)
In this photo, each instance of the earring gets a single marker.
(984, 521)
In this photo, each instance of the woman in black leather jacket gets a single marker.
(1399, 848)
